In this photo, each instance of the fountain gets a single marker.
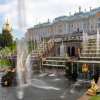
(90, 55)
(23, 57)
(29, 69)
(85, 41)
(24, 71)
(23, 67)
(91, 47)
(62, 54)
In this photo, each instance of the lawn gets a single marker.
(4, 63)
(95, 98)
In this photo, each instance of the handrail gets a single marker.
(55, 61)
(54, 65)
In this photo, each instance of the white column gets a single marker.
(67, 29)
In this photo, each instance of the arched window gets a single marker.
(58, 50)
(68, 51)
(73, 51)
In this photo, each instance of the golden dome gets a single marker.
(7, 26)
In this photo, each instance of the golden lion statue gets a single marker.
(92, 91)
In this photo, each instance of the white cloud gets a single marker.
(4, 8)
(40, 10)
(44, 9)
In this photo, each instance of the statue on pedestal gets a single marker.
(92, 91)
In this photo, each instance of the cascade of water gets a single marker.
(29, 69)
(85, 41)
(62, 50)
(23, 66)
(97, 42)
(23, 58)
(20, 70)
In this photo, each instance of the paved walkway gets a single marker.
(87, 97)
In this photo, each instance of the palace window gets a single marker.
(77, 29)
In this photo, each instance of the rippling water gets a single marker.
(46, 87)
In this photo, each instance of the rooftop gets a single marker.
(76, 16)
(42, 25)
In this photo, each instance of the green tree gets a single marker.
(7, 39)
(1, 41)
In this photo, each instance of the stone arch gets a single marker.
(68, 51)
(73, 51)
(58, 51)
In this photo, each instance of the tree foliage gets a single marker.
(6, 40)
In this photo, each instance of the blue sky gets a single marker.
(4, 1)
(38, 11)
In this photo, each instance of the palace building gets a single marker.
(68, 28)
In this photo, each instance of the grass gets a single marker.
(95, 98)
(4, 63)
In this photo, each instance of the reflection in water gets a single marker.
(20, 94)
(43, 85)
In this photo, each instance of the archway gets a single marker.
(73, 51)
(68, 51)
(58, 51)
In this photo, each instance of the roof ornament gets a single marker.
(69, 13)
(79, 9)
(85, 9)
(7, 26)
(48, 20)
(90, 8)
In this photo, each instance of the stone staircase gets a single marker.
(55, 62)
(91, 51)
(44, 51)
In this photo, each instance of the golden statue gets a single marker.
(92, 91)
(85, 68)
(7, 27)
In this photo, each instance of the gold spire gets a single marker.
(7, 26)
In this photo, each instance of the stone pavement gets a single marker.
(87, 97)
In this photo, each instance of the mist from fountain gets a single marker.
(19, 71)
(23, 67)
(29, 69)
